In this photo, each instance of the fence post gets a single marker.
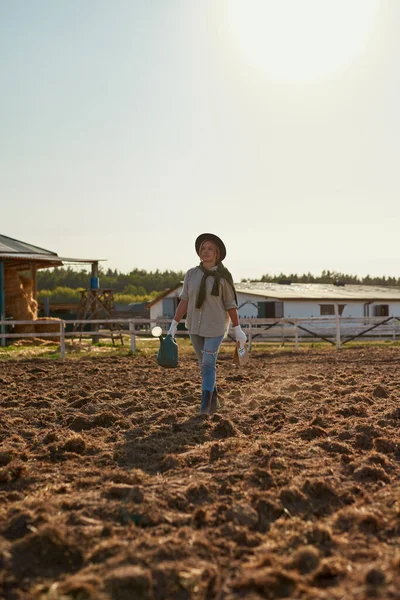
(62, 339)
(296, 337)
(132, 336)
(337, 319)
(250, 341)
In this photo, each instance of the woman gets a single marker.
(209, 300)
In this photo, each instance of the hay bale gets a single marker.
(19, 300)
(21, 306)
(41, 326)
(12, 282)
(27, 285)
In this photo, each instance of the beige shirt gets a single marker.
(211, 320)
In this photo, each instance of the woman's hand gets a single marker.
(172, 328)
(179, 314)
(240, 336)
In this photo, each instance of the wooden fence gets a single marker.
(336, 331)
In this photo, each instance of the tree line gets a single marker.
(328, 276)
(136, 282)
(62, 284)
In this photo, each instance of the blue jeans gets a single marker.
(206, 349)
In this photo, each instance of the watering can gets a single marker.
(167, 355)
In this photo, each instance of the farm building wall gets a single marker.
(157, 310)
(292, 309)
(299, 309)
(248, 306)
(303, 309)
(247, 303)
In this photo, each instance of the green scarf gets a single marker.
(221, 272)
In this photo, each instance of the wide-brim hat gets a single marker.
(214, 238)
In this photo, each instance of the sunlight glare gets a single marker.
(301, 39)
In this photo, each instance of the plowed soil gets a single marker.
(113, 487)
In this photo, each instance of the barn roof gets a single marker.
(11, 246)
(308, 291)
(163, 294)
(20, 253)
(318, 291)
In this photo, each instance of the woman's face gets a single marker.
(208, 252)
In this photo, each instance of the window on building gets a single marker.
(270, 310)
(381, 310)
(328, 310)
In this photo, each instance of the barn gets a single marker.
(19, 263)
(297, 300)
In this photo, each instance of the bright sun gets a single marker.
(301, 39)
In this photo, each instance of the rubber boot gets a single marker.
(206, 399)
(214, 405)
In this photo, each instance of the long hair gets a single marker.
(218, 253)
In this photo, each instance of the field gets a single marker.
(113, 487)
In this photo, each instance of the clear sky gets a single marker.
(129, 127)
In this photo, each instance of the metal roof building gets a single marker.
(318, 291)
(298, 300)
(23, 256)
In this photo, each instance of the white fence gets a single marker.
(337, 331)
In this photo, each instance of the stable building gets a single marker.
(19, 263)
(297, 300)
